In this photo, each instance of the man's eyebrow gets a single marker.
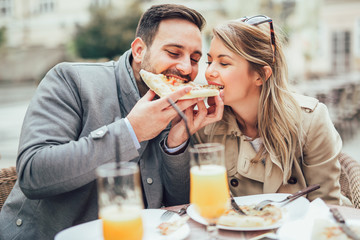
(182, 47)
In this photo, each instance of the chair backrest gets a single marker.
(8, 178)
(350, 178)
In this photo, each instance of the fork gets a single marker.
(289, 198)
(169, 213)
(235, 206)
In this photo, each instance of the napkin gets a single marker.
(301, 229)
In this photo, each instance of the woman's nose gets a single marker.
(211, 73)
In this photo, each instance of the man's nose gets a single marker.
(184, 66)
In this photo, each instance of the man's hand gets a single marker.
(148, 118)
(196, 119)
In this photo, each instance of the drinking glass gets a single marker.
(120, 200)
(209, 191)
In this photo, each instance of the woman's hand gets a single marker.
(196, 119)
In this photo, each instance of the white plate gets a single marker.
(151, 219)
(291, 211)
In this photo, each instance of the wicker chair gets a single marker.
(350, 179)
(8, 178)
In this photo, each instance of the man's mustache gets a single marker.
(177, 73)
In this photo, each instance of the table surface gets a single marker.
(198, 231)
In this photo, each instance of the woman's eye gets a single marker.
(224, 64)
(208, 63)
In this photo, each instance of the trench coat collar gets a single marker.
(269, 170)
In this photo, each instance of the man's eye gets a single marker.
(208, 63)
(224, 64)
(172, 53)
(195, 60)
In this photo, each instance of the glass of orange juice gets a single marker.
(120, 200)
(209, 191)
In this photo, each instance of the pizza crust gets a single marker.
(163, 87)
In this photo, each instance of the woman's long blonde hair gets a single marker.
(279, 115)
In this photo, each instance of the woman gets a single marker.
(275, 140)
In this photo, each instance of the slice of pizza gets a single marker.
(163, 86)
(253, 218)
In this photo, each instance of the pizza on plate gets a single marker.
(253, 218)
(167, 228)
(324, 229)
(163, 85)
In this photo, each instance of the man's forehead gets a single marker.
(179, 33)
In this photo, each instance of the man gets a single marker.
(81, 110)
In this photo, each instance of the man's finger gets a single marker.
(174, 96)
(149, 95)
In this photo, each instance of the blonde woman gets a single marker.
(276, 141)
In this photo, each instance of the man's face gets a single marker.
(175, 51)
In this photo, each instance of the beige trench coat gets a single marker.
(321, 146)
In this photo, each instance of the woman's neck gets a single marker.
(246, 115)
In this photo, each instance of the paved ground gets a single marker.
(14, 102)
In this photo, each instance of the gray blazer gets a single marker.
(68, 131)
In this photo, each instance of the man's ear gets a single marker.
(268, 72)
(138, 49)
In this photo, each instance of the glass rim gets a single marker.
(112, 169)
(206, 147)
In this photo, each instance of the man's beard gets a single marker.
(146, 63)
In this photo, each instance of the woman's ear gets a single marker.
(268, 72)
(138, 49)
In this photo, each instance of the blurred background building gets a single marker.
(322, 43)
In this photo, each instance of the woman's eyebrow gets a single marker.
(220, 56)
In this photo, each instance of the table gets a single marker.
(90, 230)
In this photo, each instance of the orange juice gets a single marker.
(209, 191)
(123, 223)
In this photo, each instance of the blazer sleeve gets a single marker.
(320, 155)
(57, 151)
(175, 174)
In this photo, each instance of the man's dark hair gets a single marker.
(150, 20)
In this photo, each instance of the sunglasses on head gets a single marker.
(259, 19)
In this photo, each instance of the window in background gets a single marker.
(100, 3)
(5, 8)
(357, 38)
(341, 44)
(46, 6)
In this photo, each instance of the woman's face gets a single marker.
(229, 69)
